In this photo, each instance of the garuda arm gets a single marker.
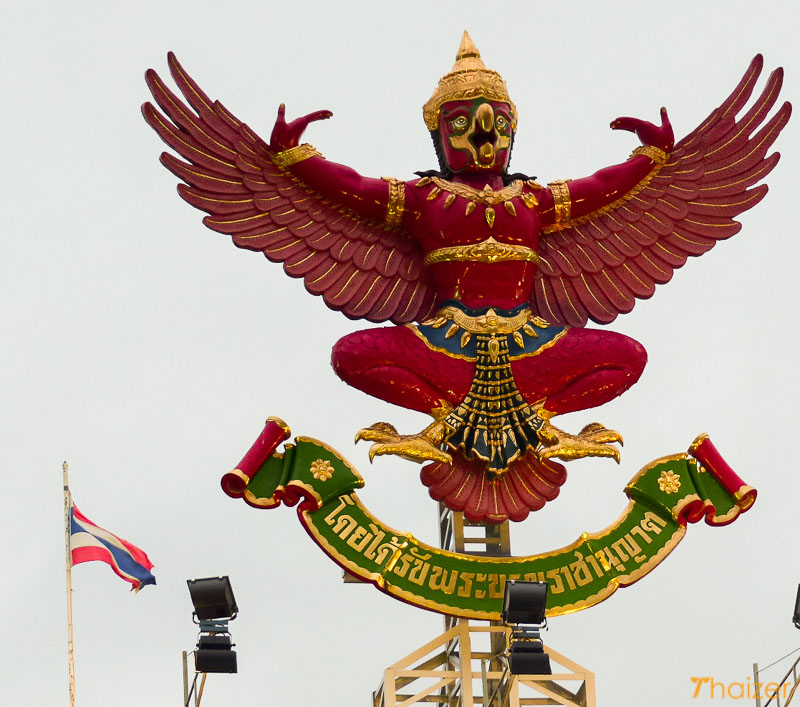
(378, 200)
(602, 250)
(340, 244)
(563, 201)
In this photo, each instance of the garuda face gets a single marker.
(471, 117)
(475, 135)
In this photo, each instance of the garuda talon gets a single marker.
(489, 277)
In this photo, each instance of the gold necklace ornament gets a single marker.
(487, 196)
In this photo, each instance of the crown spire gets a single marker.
(467, 48)
(469, 78)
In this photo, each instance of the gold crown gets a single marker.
(469, 78)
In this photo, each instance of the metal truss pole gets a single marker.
(466, 666)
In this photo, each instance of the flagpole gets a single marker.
(67, 533)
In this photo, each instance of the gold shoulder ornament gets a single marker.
(397, 203)
(562, 201)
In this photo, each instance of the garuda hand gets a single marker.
(286, 135)
(658, 136)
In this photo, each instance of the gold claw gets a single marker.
(417, 448)
(596, 432)
(568, 453)
(379, 432)
(594, 440)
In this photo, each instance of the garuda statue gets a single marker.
(488, 277)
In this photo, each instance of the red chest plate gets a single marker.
(453, 215)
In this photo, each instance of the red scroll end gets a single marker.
(707, 454)
(275, 431)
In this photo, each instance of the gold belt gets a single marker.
(488, 251)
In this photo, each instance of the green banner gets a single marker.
(663, 497)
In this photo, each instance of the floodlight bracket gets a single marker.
(213, 626)
(526, 633)
(223, 620)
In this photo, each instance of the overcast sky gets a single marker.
(147, 351)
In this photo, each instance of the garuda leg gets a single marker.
(583, 369)
(395, 365)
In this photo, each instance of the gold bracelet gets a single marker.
(293, 155)
(654, 153)
(561, 201)
(397, 203)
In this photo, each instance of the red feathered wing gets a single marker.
(357, 266)
(600, 264)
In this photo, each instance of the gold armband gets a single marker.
(654, 153)
(293, 155)
(397, 203)
(561, 201)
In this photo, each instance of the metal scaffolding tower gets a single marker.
(466, 664)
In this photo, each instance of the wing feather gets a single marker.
(568, 301)
(637, 280)
(188, 146)
(690, 243)
(670, 254)
(671, 207)
(655, 268)
(615, 289)
(289, 253)
(214, 203)
(609, 254)
(597, 304)
(625, 244)
(226, 170)
(390, 299)
(544, 298)
(176, 110)
(203, 179)
(587, 258)
(601, 264)
(303, 261)
(364, 300)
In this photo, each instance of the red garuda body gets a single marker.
(490, 277)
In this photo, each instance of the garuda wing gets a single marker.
(597, 266)
(359, 267)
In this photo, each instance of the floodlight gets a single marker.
(528, 658)
(796, 617)
(524, 605)
(214, 607)
(524, 602)
(215, 654)
(212, 598)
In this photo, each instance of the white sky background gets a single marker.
(147, 351)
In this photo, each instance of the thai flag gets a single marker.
(89, 542)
